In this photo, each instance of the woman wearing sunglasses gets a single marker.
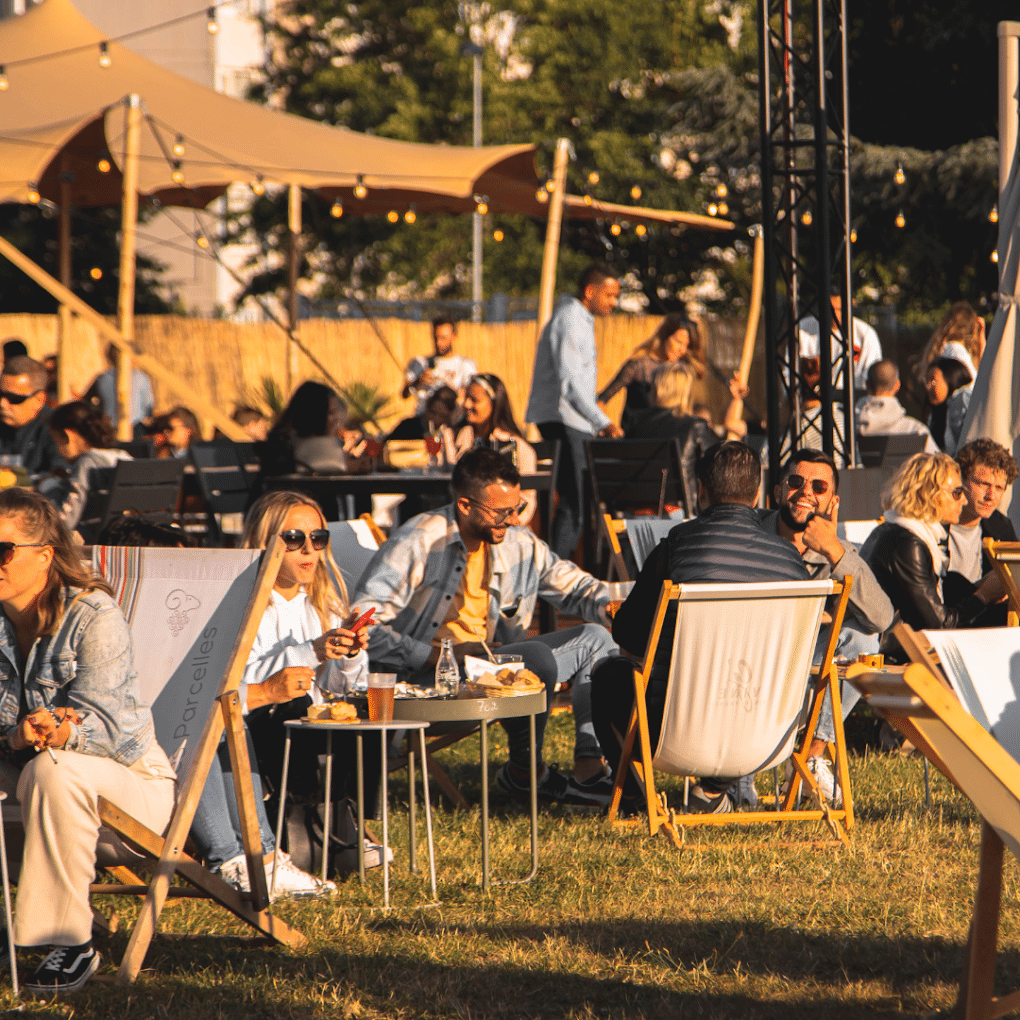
(72, 729)
(302, 648)
(489, 421)
(908, 552)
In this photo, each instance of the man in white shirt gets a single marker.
(424, 375)
(867, 348)
(986, 469)
(881, 414)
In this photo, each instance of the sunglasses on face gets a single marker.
(7, 549)
(818, 486)
(295, 539)
(499, 516)
(16, 398)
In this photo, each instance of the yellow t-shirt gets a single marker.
(468, 618)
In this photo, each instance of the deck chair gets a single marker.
(1003, 555)
(353, 544)
(974, 740)
(735, 700)
(194, 614)
(643, 535)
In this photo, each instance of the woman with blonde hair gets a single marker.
(908, 553)
(960, 325)
(67, 688)
(676, 340)
(304, 648)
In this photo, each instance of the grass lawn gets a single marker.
(743, 922)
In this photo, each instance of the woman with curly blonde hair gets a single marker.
(908, 553)
(960, 325)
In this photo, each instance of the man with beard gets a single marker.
(469, 572)
(808, 501)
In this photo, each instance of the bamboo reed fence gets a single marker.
(226, 362)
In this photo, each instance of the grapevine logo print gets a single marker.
(180, 603)
(740, 690)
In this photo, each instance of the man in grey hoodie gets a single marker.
(881, 414)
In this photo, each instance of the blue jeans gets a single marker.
(216, 828)
(851, 643)
(568, 523)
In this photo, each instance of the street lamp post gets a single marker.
(475, 52)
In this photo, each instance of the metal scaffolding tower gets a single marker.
(805, 180)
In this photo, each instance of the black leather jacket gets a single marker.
(902, 565)
(695, 438)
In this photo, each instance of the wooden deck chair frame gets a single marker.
(926, 711)
(839, 820)
(164, 855)
(1003, 555)
(612, 529)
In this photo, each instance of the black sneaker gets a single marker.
(701, 803)
(552, 784)
(66, 969)
(596, 792)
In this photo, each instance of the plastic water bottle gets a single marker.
(447, 671)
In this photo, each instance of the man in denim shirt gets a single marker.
(468, 572)
(563, 403)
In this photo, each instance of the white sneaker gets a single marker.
(820, 768)
(292, 881)
(235, 873)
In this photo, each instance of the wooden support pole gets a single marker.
(550, 254)
(63, 312)
(293, 233)
(128, 236)
(753, 313)
(110, 332)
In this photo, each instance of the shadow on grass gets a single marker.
(657, 970)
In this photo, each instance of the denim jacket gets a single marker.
(87, 665)
(414, 576)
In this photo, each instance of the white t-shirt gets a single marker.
(965, 551)
(285, 638)
(453, 370)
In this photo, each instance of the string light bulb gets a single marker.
(713, 209)
(723, 208)
(179, 146)
(806, 218)
(4, 83)
(853, 236)
(722, 191)
(96, 273)
(550, 186)
(900, 177)
(994, 257)
(33, 194)
(542, 196)
(105, 59)
(497, 235)
(360, 191)
(336, 210)
(103, 166)
(178, 174)
(210, 21)
(901, 220)
(482, 207)
(635, 193)
(993, 215)
(588, 200)
(640, 230)
(614, 229)
(202, 241)
(258, 187)
(593, 177)
(410, 216)
(393, 216)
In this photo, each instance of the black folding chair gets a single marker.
(223, 480)
(149, 487)
(889, 452)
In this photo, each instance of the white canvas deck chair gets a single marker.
(1004, 555)
(194, 614)
(735, 700)
(964, 719)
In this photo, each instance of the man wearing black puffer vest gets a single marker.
(726, 542)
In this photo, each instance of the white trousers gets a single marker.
(60, 812)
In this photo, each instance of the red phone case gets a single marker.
(362, 620)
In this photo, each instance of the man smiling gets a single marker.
(808, 501)
(470, 573)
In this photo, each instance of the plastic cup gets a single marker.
(380, 696)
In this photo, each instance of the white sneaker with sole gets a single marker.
(347, 860)
(290, 879)
(822, 771)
